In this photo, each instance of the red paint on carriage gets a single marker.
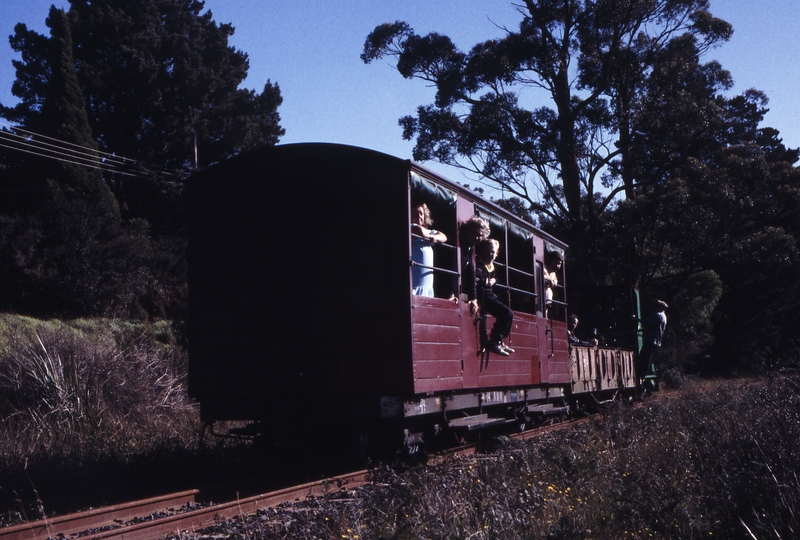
(296, 306)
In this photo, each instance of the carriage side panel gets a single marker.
(436, 344)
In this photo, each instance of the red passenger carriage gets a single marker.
(301, 305)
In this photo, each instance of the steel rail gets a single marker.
(97, 518)
(115, 520)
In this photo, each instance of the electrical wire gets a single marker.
(29, 142)
(93, 152)
(23, 145)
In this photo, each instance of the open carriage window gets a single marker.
(516, 279)
(555, 306)
(434, 263)
(521, 278)
(497, 225)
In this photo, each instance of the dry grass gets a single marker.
(94, 411)
(81, 402)
(714, 462)
(75, 385)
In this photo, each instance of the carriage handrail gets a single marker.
(444, 244)
(434, 268)
(518, 271)
(514, 289)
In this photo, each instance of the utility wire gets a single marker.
(69, 161)
(22, 144)
(22, 140)
(93, 152)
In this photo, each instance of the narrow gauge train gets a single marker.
(302, 315)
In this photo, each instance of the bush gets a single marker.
(90, 396)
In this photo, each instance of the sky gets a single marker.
(311, 49)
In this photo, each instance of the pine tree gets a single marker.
(63, 117)
(158, 77)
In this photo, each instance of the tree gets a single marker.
(159, 80)
(56, 243)
(591, 59)
(160, 85)
(700, 204)
(63, 117)
(721, 210)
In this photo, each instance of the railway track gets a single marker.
(175, 513)
(156, 517)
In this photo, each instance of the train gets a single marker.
(302, 314)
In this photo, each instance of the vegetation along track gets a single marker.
(156, 517)
(170, 514)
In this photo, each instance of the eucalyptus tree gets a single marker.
(590, 60)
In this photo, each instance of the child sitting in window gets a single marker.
(485, 254)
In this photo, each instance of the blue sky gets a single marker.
(311, 49)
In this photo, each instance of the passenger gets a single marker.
(422, 249)
(471, 232)
(573, 338)
(552, 265)
(485, 254)
(653, 331)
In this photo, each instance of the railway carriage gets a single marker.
(302, 312)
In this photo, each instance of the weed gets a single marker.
(710, 462)
(85, 396)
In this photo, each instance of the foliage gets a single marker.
(709, 462)
(153, 80)
(82, 392)
(652, 176)
(63, 117)
(591, 60)
(157, 76)
(730, 210)
(72, 266)
(60, 381)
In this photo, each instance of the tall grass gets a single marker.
(95, 412)
(712, 462)
(84, 396)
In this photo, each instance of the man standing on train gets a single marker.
(653, 330)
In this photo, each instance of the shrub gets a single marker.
(87, 395)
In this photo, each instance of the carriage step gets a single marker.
(547, 409)
(479, 421)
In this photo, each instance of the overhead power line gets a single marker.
(29, 142)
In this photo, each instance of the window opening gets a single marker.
(497, 224)
(516, 279)
(521, 276)
(433, 262)
(555, 306)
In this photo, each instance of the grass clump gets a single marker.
(80, 402)
(706, 462)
